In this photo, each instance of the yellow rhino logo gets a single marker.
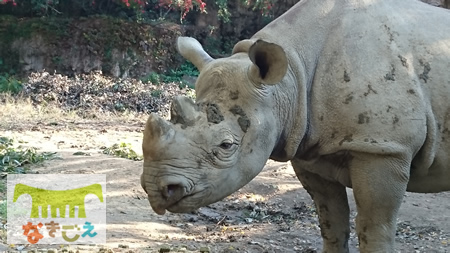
(58, 199)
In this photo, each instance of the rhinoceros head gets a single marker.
(214, 146)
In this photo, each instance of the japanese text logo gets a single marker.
(56, 209)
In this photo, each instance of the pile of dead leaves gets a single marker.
(96, 92)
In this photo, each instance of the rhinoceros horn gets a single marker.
(156, 130)
(156, 127)
(183, 111)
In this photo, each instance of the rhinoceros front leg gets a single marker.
(379, 183)
(330, 199)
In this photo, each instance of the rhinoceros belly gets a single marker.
(435, 178)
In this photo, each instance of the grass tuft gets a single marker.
(123, 150)
(16, 159)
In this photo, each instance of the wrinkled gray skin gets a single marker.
(354, 93)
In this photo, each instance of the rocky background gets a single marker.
(121, 48)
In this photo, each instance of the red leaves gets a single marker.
(183, 5)
(264, 6)
(8, 1)
(135, 4)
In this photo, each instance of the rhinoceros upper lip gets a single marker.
(161, 209)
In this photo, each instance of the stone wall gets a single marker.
(115, 47)
(125, 49)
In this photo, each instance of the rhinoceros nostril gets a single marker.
(173, 192)
(171, 189)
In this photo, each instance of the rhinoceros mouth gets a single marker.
(182, 205)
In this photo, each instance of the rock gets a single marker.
(164, 248)
(182, 249)
(209, 213)
(81, 153)
(205, 250)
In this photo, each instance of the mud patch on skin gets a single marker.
(244, 123)
(404, 61)
(347, 138)
(370, 90)
(426, 70)
(348, 99)
(333, 134)
(391, 75)
(346, 76)
(363, 118)
(243, 120)
(234, 95)
(411, 91)
(395, 119)
(213, 113)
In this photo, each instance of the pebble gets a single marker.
(205, 250)
(164, 248)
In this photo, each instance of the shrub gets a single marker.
(153, 78)
(176, 75)
(9, 84)
(16, 159)
(123, 150)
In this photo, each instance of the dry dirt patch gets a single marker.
(271, 214)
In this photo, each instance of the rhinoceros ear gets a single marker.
(193, 51)
(269, 62)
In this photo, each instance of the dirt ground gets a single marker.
(273, 213)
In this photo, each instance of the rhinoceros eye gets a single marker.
(226, 145)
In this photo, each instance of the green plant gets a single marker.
(264, 6)
(10, 84)
(57, 60)
(156, 93)
(3, 209)
(123, 150)
(2, 186)
(16, 159)
(223, 13)
(119, 107)
(188, 69)
(176, 75)
(191, 93)
(153, 78)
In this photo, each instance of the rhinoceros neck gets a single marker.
(302, 32)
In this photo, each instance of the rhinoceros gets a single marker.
(355, 93)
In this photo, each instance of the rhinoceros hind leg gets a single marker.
(330, 199)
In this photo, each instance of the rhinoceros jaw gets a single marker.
(158, 209)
